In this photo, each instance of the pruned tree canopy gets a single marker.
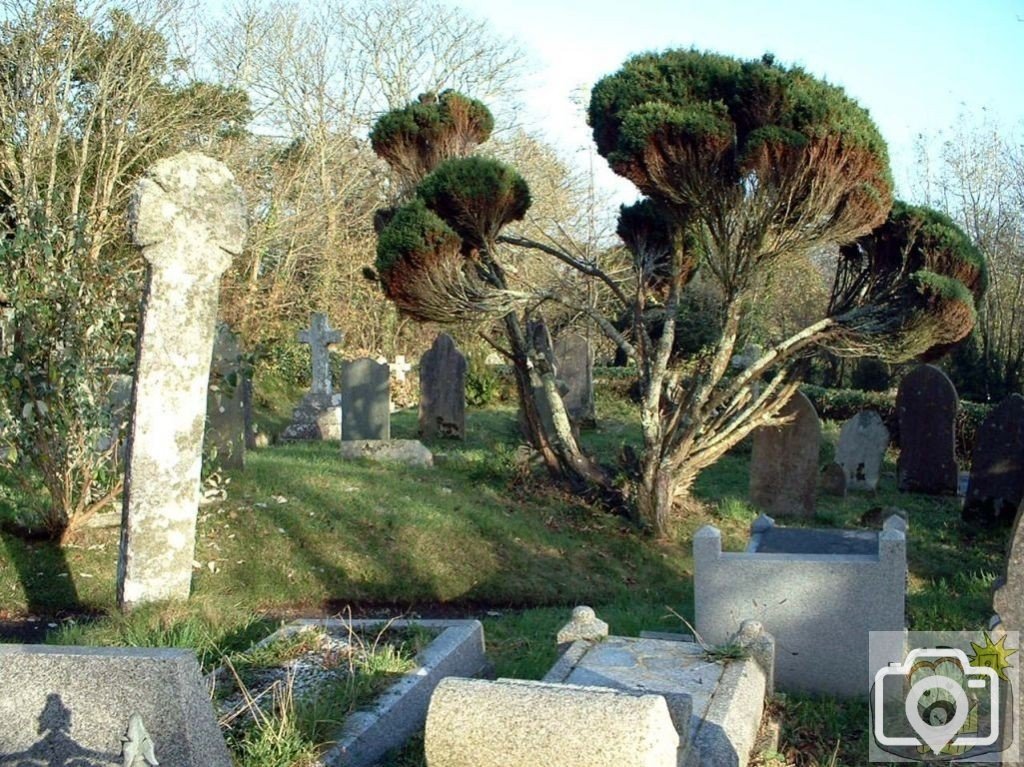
(908, 289)
(415, 138)
(760, 160)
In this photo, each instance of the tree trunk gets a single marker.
(654, 498)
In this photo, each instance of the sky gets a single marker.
(918, 66)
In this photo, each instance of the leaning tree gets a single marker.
(743, 165)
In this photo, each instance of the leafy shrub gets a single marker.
(484, 384)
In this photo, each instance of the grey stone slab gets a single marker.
(996, 485)
(818, 606)
(576, 371)
(715, 705)
(863, 440)
(1008, 597)
(188, 216)
(408, 452)
(443, 390)
(784, 461)
(365, 400)
(224, 440)
(72, 705)
(926, 404)
(516, 723)
(401, 710)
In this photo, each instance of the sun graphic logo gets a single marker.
(945, 703)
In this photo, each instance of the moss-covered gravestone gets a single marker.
(189, 218)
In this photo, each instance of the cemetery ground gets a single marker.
(302, 533)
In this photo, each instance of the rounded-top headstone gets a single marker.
(784, 461)
(926, 404)
(996, 485)
(863, 440)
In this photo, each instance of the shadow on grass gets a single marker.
(44, 575)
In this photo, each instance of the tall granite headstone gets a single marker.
(365, 400)
(225, 404)
(996, 486)
(443, 390)
(862, 443)
(784, 461)
(926, 405)
(188, 216)
(576, 371)
(318, 415)
(96, 706)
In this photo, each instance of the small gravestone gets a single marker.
(443, 390)
(188, 216)
(833, 480)
(318, 415)
(576, 372)
(862, 443)
(94, 707)
(225, 404)
(996, 484)
(366, 400)
(784, 461)
(926, 404)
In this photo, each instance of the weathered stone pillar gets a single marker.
(188, 216)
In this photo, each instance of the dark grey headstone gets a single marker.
(365, 400)
(576, 371)
(996, 486)
(225, 406)
(443, 390)
(833, 480)
(926, 405)
(862, 443)
(71, 706)
(784, 461)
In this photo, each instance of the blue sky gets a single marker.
(916, 65)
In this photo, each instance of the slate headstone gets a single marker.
(443, 390)
(576, 371)
(225, 405)
(189, 217)
(996, 486)
(862, 443)
(73, 705)
(784, 461)
(926, 404)
(366, 400)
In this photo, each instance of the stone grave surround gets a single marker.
(818, 592)
(74, 705)
(318, 416)
(784, 461)
(443, 390)
(926, 404)
(189, 217)
(1008, 596)
(996, 485)
(652, 701)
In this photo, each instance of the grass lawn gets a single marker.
(483, 533)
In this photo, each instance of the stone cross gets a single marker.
(400, 367)
(319, 336)
(188, 216)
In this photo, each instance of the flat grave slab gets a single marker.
(715, 705)
(781, 540)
